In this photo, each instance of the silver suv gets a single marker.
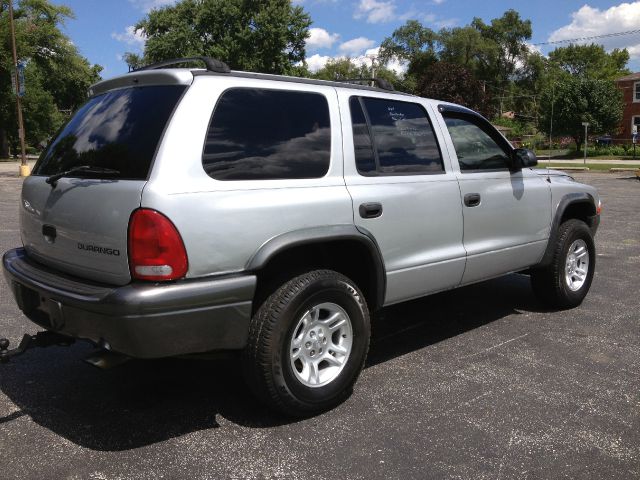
(191, 210)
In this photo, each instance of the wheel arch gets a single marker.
(347, 249)
(578, 205)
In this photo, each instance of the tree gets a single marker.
(253, 35)
(509, 34)
(346, 68)
(491, 52)
(467, 47)
(414, 44)
(591, 61)
(342, 68)
(454, 83)
(57, 76)
(574, 100)
(133, 60)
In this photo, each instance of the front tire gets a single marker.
(566, 280)
(307, 343)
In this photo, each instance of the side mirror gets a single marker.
(523, 158)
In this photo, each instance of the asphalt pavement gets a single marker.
(480, 382)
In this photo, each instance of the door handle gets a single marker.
(472, 199)
(370, 210)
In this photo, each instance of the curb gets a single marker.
(614, 170)
(580, 169)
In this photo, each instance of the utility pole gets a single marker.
(24, 166)
(553, 100)
(373, 58)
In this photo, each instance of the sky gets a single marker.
(103, 29)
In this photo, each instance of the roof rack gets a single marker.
(380, 82)
(213, 65)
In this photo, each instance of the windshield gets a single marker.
(118, 130)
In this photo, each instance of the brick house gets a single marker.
(630, 86)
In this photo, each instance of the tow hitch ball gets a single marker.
(40, 339)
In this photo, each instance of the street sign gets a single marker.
(21, 66)
(635, 129)
(634, 137)
(585, 124)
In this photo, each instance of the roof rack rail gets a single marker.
(213, 65)
(380, 82)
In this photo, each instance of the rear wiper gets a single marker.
(53, 179)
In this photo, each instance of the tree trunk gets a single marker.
(4, 145)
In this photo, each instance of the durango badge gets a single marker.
(97, 249)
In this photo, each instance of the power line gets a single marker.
(606, 35)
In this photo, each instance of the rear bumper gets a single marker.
(140, 319)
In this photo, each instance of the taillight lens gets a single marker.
(156, 250)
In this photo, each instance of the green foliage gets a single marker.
(466, 46)
(516, 78)
(508, 34)
(612, 150)
(346, 68)
(489, 53)
(341, 68)
(591, 61)
(453, 83)
(414, 44)
(133, 60)
(517, 128)
(574, 100)
(57, 77)
(252, 35)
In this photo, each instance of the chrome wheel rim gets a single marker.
(577, 265)
(320, 344)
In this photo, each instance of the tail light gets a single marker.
(156, 250)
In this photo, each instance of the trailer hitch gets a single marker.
(40, 339)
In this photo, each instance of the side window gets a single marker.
(475, 148)
(403, 139)
(259, 134)
(362, 144)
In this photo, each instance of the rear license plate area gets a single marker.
(28, 300)
(46, 312)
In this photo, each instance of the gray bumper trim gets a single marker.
(139, 319)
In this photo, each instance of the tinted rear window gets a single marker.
(119, 130)
(259, 134)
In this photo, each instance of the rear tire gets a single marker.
(566, 280)
(307, 343)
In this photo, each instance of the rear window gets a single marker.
(260, 134)
(117, 130)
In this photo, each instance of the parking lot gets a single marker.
(475, 383)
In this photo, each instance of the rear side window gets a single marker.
(393, 138)
(118, 130)
(260, 134)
